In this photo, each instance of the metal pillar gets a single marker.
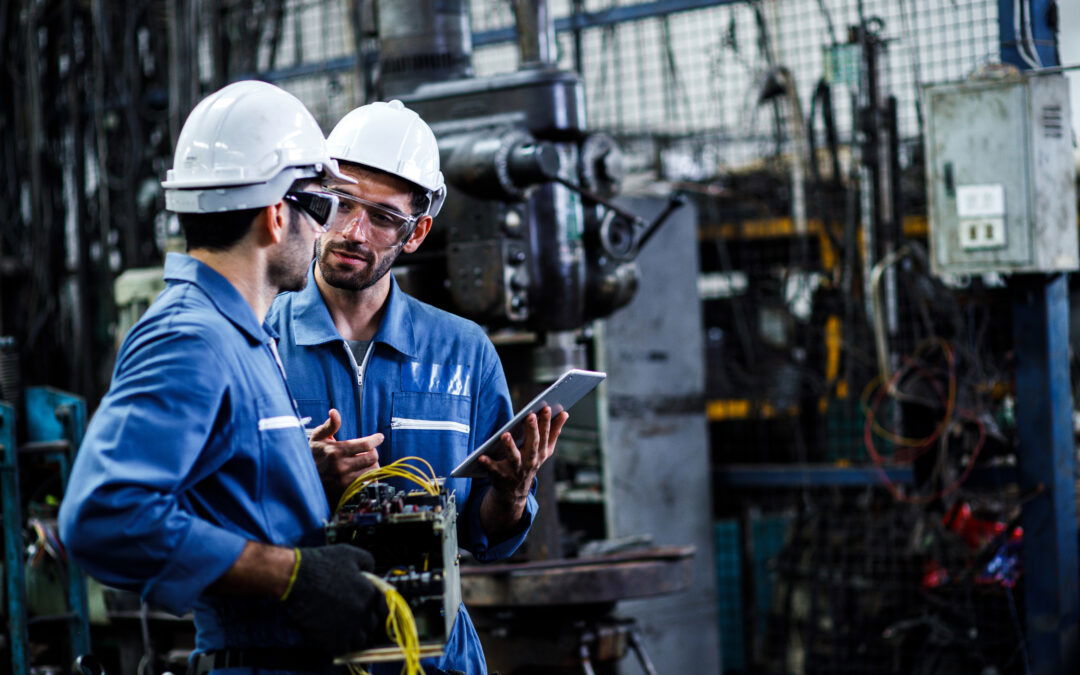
(1047, 461)
(655, 446)
(14, 574)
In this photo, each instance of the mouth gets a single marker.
(349, 258)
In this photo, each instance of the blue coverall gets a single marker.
(434, 387)
(196, 449)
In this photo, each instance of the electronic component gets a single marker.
(413, 537)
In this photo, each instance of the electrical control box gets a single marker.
(412, 535)
(1001, 176)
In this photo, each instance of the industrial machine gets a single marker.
(529, 238)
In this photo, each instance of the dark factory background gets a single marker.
(833, 439)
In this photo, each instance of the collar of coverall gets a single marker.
(224, 296)
(312, 324)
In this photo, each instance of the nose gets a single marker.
(356, 229)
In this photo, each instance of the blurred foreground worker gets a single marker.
(195, 484)
(369, 359)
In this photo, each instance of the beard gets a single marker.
(288, 269)
(355, 280)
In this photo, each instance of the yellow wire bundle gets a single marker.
(400, 625)
(399, 469)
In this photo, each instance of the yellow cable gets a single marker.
(426, 463)
(420, 480)
(399, 469)
(400, 625)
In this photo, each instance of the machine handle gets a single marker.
(641, 230)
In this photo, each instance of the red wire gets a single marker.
(908, 455)
(910, 364)
(879, 462)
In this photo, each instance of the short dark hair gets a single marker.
(216, 231)
(420, 200)
(221, 230)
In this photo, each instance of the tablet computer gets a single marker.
(565, 392)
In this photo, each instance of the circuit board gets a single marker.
(413, 537)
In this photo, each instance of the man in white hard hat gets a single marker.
(195, 485)
(375, 363)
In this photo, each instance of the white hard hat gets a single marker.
(242, 147)
(389, 137)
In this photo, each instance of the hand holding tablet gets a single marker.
(560, 396)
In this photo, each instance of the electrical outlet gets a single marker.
(982, 233)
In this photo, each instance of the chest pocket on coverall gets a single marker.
(432, 426)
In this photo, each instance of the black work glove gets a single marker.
(336, 609)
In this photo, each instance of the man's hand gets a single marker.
(323, 589)
(335, 608)
(341, 462)
(513, 472)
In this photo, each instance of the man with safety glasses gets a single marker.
(194, 485)
(382, 375)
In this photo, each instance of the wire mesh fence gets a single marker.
(698, 76)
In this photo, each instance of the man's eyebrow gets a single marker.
(392, 207)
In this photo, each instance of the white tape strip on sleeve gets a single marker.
(280, 422)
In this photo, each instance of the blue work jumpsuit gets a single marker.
(195, 449)
(433, 386)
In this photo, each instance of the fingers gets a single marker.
(327, 429)
(533, 438)
(349, 459)
(346, 477)
(358, 463)
(543, 425)
(556, 428)
(358, 445)
(509, 457)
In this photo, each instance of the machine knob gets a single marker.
(533, 162)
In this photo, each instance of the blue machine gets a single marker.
(55, 423)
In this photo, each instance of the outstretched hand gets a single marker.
(341, 462)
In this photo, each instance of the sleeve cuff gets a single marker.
(481, 547)
(205, 554)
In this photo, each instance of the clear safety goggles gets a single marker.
(338, 211)
(385, 226)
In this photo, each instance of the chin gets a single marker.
(348, 283)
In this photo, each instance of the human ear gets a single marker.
(419, 233)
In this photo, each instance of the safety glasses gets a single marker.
(386, 226)
(321, 206)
